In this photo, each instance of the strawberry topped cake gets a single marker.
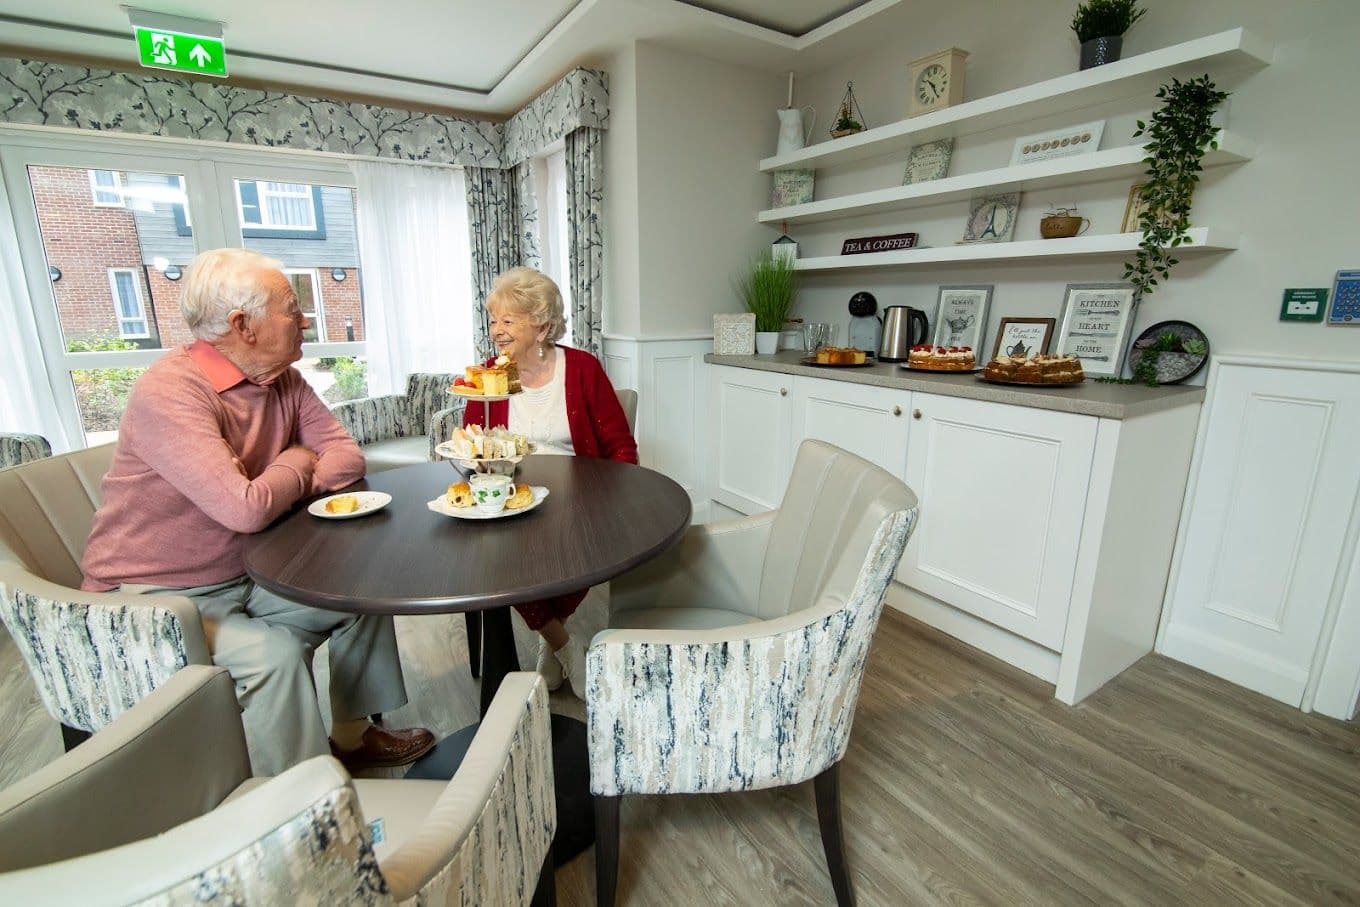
(942, 358)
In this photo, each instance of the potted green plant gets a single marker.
(849, 119)
(766, 289)
(1180, 132)
(1100, 27)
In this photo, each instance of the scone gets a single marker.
(460, 495)
(523, 497)
(345, 503)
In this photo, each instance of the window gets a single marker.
(127, 303)
(280, 210)
(306, 287)
(550, 192)
(107, 187)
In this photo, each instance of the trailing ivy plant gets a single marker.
(1105, 18)
(1180, 132)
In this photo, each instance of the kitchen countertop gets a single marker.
(1090, 398)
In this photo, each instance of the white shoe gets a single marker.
(573, 659)
(549, 666)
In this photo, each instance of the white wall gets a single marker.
(621, 194)
(1293, 205)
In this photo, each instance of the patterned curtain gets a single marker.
(531, 250)
(496, 234)
(585, 245)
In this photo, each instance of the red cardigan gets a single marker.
(598, 426)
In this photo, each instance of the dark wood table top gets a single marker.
(600, 519)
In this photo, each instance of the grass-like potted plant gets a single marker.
(1100, 27)
(1179, 133)
(766, 288)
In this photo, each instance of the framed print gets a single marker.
(791, 187)
(961, 318)
(1022, 338)
(734, 335)
(991, 218)
(928, 162)
(1133, 210)
(1096, 321)
(1045, 146)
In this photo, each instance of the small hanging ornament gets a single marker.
(850, 119)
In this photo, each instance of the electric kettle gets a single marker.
(903, 328)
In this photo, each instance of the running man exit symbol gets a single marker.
(162, 49)
(165, 49)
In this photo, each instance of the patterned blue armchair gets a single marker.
(402, 429)
(19, 448)
(159, 807)
(733, 662)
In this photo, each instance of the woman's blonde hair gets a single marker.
(533, 294)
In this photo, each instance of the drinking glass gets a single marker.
(818, 334)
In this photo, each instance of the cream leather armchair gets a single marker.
(734, 661)
(160, 805)
(92, 655)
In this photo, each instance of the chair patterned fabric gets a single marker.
(768, 710)
(498, 861)
(323, 857)
(91, 663)
(426, 401)
(19, 448)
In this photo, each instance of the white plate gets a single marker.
(369, 502)
(441, 505)
(485, 398)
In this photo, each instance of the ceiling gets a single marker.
(463, 55)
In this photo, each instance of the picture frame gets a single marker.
(1096, 325)
(991, 218)
(928, 161)
(1055, 143)
(1023, 337)
(791, 187)
(1133, 210)
(961, 315)
(734, 335)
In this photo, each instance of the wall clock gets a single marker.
(936, 81)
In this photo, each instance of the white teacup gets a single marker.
(491, 491)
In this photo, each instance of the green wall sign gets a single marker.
(161, 49)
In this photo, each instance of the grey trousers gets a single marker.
(266, 643)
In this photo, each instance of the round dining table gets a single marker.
(599, 519)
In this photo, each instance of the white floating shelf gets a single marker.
(1140, 74)
(1202, 240)
(1114, 163)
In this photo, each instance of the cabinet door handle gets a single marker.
(916, 414)
(897, 410)
(783, 392)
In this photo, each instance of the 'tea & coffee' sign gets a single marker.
(890, 243)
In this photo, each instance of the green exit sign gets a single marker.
(162, 49)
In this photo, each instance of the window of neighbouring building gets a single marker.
(107, 188)
(127, 303)
(308, 291)
(277, 209)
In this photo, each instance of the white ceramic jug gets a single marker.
(792, 133)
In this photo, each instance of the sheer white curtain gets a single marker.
(27, 403)
(550, 191)
(416, 267)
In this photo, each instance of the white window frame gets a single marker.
(261, 194)
(318, 315)
(118, 306)
(115, 189)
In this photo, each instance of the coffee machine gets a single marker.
(866, 328)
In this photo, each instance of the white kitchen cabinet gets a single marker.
(750, 438)
(1003, 490)
(870, 422)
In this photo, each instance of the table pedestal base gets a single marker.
(571, 776)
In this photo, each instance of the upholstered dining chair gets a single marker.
(92, 655)
(402, 429)
(160, 806)
(733, 662)
(16, 448)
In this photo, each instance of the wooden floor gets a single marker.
(965, 782)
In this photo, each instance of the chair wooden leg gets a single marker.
(72, 737)
(828, 788)
(545, 895)
(606, 849)
(473, 621)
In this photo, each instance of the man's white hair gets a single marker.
(218, 282)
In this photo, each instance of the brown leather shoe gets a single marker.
(386, 747)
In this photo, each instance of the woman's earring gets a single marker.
(541, 352)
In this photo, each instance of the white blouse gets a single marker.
(540, 413)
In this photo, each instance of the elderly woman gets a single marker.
(567, 407)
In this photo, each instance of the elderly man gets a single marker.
(219, 438)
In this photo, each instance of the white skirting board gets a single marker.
(1265, 587)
